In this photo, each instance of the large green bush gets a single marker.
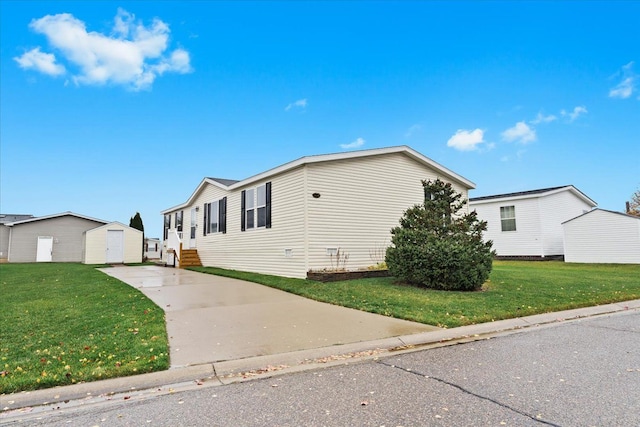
(438, 247)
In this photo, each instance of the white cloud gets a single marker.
(464, 140)
(300, 103)
(412, 130)
(133, 56)
(626, 87)
(521, 133)
(40, 61)
(541, 118)
(355, 144)
(577, 112)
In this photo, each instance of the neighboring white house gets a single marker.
(71, 237)
(529, 223)
(602, 236)
(152, 248)
(297, 216)
(112, 243)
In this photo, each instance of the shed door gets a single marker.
(115, 246)
(44, 251)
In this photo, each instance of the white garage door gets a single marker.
(115, 246)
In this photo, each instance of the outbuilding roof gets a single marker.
(603, 210)
(533, 193)
(68, 213)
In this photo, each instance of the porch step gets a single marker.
(190, 258)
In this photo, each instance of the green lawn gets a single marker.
(515, 288)
(69, 323)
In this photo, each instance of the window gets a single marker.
(167, 225)
(508, 218)
(179, 221)
(256, 207)
(215, 217)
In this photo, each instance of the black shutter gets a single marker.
(222, 219)
(206, 217)
(242, 211)
(268, 205)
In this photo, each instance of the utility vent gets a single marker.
(332, 251)
(288, 253)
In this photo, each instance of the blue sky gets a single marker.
(109, 108)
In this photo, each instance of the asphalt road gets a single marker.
(579, 373)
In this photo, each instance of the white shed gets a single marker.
(112, 243)
(602, 236)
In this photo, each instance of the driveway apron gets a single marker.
(211, 318)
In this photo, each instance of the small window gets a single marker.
(179, 221)
(167, 225)
(508, 218)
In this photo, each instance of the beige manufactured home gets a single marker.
(308, 214)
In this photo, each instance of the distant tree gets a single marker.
(438, 247)
(136, 222)
(633, 206)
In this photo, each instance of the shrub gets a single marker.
(437, 247)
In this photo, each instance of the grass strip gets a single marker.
(69, 323)
(515, 289)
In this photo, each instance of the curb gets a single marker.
(232, 371)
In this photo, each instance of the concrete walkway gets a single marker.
(212, 318)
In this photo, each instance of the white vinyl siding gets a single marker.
(602, 237)
(554, 210)
(526, 240)
(96, 244)
(539, 221)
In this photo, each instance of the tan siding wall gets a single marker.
(602, 237)
(68, 238)
(4, 241)
(526, 240)
(260, 250)
(554, 210)
(96, 244)
(361, 201)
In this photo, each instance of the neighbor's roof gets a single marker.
(603, 210)
(533, 193)
(6, 218)
(40, 218)
(229, 185)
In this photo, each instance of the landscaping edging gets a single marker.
(336, 276)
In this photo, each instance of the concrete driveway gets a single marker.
(212, 319)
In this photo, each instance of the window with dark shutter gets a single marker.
(222, 222)
(268, 205)
(242, 210)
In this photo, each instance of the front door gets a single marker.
(194, 221)
(44, 251)
(115, 246)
